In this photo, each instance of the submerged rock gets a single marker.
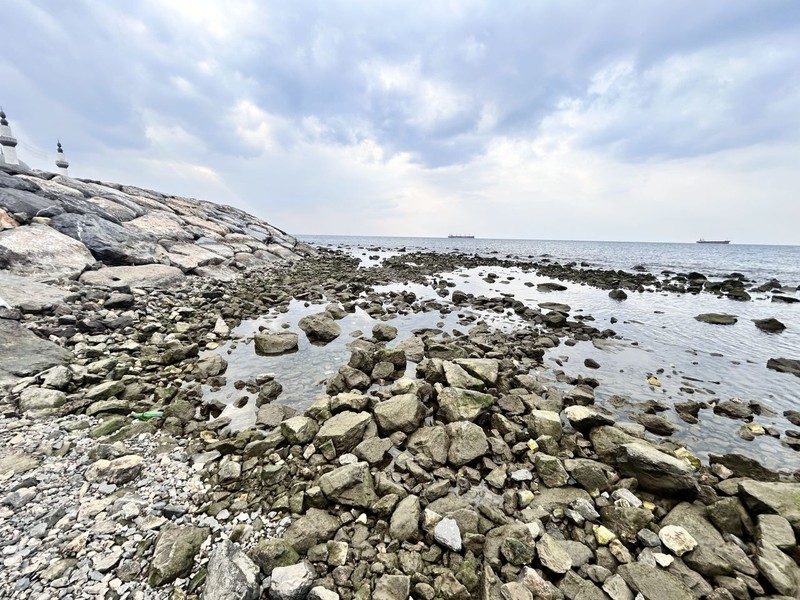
(716, 318)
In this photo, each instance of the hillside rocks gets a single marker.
(57, 227)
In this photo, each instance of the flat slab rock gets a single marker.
(26, 293)
(23, 354)
(140, 276)
(43, 253)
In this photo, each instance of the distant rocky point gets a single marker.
(54, 227)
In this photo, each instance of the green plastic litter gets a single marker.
(146, 416)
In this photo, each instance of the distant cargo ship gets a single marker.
(462, 237)
(702, 241)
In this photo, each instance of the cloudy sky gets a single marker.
(565, 119)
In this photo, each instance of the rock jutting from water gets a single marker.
(429, 465)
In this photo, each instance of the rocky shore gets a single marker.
(431, 465)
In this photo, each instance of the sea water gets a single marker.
(657, 334)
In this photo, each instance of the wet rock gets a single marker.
(231, 575)
(784, 365)
(716, 318)
(320, 327)
(618, 294)
(400, 413)
(456, 404)
(273, 343)
(656, 471)
(770, 325)
(383, 332)
(174, 554)
(292, 582)
(743, 466)
(350, 485)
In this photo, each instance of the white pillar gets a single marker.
(61, 161)
(7, 141)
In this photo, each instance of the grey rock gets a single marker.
(777, 568)
(458, 377)
(292, 582)
(139, 276)
(774, 497)
(344, 430)
(486, 369)
(23, 354)
(174, 553)
(273, 343)
(677, 539)
(29, 295)
(432, 443)
(350, 485)
(400, 413)
(383, 332)
(552, 555)
(107, 241)
(777, 530)
(299, 429)
(716, 318)
(231, 575)
(41, 401)
(268, 554)
(320, 327)
(457, 404)
(584, 418)
(653, 583)
(392, 587)
(404, 524)
(656, 471)
(120, 470)
(104, 391)
(312, 528)
(43, 253)
(545, 422)
(467, 442)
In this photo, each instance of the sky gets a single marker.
(636, 120)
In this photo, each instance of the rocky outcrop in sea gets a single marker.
(429, 464)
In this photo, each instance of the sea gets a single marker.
(656, 334)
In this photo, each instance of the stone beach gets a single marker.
(429, 463)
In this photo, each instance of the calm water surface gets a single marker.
(657, 333)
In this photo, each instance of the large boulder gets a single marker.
(23, 354)
(656, 471)
(174, 553)
(654, 583)
(29, 295)
(467, 442)
(309, 530)
(344, 430)
(107, 241)
(773, 497)
(140, 276)
(231, 575)
(400, 413)
(457, 404)
(43, 253)
(350, 485)
(784, 365)
(270, 343)
(320, 327)
(24, 205)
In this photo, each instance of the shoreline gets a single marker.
(521, 484)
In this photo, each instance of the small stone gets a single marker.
(677, 539)
(448, 534)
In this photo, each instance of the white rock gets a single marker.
(448, 534)
(291, 583)
(677, 539)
